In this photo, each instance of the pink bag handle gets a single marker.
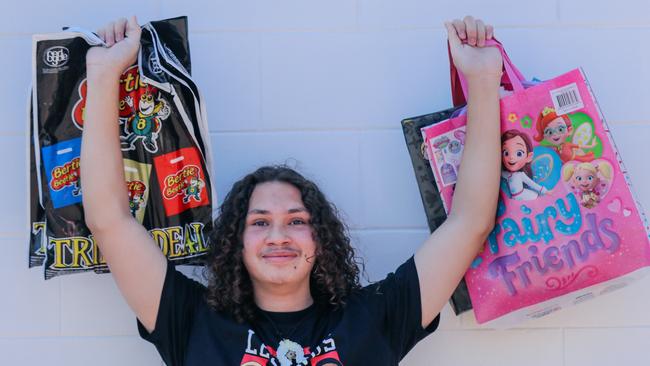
(512, 76)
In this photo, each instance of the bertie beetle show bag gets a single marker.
(164, 141)
(568, 227)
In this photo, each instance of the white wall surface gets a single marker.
(324, 85)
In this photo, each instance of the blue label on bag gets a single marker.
(61, 163)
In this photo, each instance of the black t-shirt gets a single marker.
(378, 325)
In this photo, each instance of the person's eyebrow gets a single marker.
(257, 211)
(519, 143)
(296, 210)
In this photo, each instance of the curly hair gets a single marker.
(336, 268)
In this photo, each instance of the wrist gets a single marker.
(485, 79)
(96, 74)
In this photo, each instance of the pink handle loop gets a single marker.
(512, 76)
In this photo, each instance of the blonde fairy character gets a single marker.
(589, 181)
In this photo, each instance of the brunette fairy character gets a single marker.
(555, 129)
(516, 157)
(588, 180)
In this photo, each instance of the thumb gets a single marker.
(452, 35)
(132, 28)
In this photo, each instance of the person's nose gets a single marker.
(277, 235)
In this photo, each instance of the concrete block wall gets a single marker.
(323, 86)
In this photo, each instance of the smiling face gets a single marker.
(514, 154)
(557, 131)
(279, 246)
(585, 180)
(146, 103)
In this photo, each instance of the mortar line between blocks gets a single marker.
(563, 346)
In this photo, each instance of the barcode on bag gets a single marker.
(566, 99)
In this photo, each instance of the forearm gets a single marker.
(102, 171)
(476, 192)
(441, 263)
(446, 255)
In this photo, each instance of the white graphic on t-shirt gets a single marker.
(290, 353)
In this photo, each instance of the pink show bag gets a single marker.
(568, 227)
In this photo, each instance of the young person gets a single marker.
(283, 282)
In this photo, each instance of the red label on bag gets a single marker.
(181, 180)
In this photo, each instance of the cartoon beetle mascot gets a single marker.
(146, 121)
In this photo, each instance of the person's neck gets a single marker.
(281, 298)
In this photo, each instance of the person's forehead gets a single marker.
(276, 197)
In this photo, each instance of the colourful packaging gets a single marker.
(568, 227)
(154, 122)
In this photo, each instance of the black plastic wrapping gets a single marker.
(433, 207)
(36, 210)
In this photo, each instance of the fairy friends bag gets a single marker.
(568, 227)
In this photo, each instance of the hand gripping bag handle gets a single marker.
(512, 76)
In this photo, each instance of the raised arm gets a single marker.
(136, 262)
(443, 258)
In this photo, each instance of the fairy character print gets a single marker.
(556, 129)
(588, 181)
(516, 158)
(447, 152)
(146, 121)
